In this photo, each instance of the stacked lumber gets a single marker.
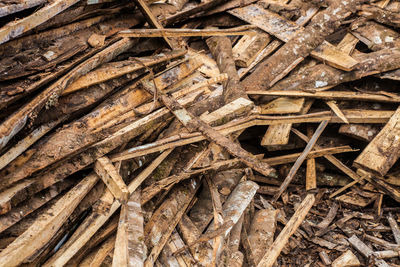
(199, 133)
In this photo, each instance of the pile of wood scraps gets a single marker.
(199, 133)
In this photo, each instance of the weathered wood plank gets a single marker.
(384, 150)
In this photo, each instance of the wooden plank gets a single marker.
(282, 105)
(42, 230)
(268, 21)
(365, 250)
(293, 52)
(347, 44)
(333, 56)
(363, 132)
(130, 249)
(331, 95)
(335, 108)
(114, 70)
(151, 19)
(275, 249)
(13, 7)
(249, 47)
(276, 135)
(25, 143)
(300, 159)
(172, 32)
(110, 176)
(384, 150)
(16, 28)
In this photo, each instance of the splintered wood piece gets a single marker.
(218, 219)
(166, 217)
(330, 95)
(172, 32)
(268, 21)
(347, 44)
(325, 258)
(300, 46)
(346, 259)
(298, 217)
(44, 227)
(110, 176)
(114, 70)
(276, 135)
(282, 105)
(322, 77)
(332, 104)
(311, 171)
(353, 198)
(249, 47)
(15, 28)
(13, 124)
(329, 217)
(96, 257)
(375, 35)
(365, 250)
(151, 19)
(261, 234)
(363, 132)
(92, 223)
(233, 209)
(25, 143)
(130, 249)
(300, 160)
(395, 228)
(380, 15)
(221, 49)
(193, 124)
(333, 56)
(279, 134)
(384, 150)
(17, 6)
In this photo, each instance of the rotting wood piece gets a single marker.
(130, 249)
(221, 49)
(45, 226)
(18, 27)
(323, 77)
(110, 176)
(275, 249)
(13, 124)
(384, 150)
(300, 46)
(301, 159)
(194, 124)
(380, 15)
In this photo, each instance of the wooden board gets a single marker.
(384, 150)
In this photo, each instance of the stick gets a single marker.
(300, 160)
